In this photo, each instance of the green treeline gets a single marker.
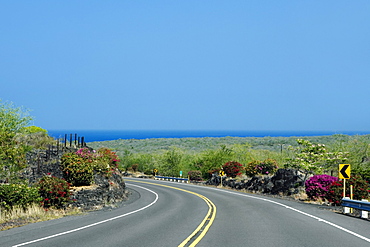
(313, 154)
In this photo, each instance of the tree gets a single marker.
(171, 162)
(309, 157)
(12, 153)
(212, 160)
(13, 119)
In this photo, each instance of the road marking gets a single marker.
(97, 223)
(298, 211)
(197, 235)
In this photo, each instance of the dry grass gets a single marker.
(19, 217)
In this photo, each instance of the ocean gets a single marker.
(108, 135)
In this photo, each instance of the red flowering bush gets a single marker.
(360, 189)
(318, 186)
(55, 192)
(335, 193)
(232, 169)
(195, 175)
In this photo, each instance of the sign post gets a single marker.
(155, 172)
(344, 173)
(222, 173)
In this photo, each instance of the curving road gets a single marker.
(161, 213)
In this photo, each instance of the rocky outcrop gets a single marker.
(284, 181)
(104, 193)
(44, 162)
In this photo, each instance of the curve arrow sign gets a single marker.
(344, 171)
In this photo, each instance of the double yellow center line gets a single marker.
(197, 235)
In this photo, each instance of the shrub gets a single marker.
(195, 175)
(106, 156)
(318, 186)
(335, 193)
(250, 168)
(232, 169)
(76, 169)
(268, 166)
(55, 192)
(79, 167)
(17, 195)
(360, 189)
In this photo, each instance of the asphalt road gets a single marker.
(161, 213)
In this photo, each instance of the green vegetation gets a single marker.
(200, 157)
(12, 153)
(312, 158)
(19, 202)
(197, 157)
(17, 195)
(312, 154)
(257, 167)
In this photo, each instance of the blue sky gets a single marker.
(188, 65)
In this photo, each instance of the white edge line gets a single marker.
(298, 211)
(94, 224)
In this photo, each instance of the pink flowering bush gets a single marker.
(318, 186)
(79, 167)
(195, 175)
(266, 167)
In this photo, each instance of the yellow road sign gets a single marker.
(155, 170)
(344, 171)
(222, 173)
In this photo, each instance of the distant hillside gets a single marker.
(195, 145)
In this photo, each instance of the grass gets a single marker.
(35, 213)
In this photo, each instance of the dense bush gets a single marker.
(318, 186)
(268, 166)
(105, 155)
(17, 195)
(250, 168)
(335, 193)
(360, 189)
(77, 170)
(195, 175)
(79, 167)
(232, 169)
(55, 192)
